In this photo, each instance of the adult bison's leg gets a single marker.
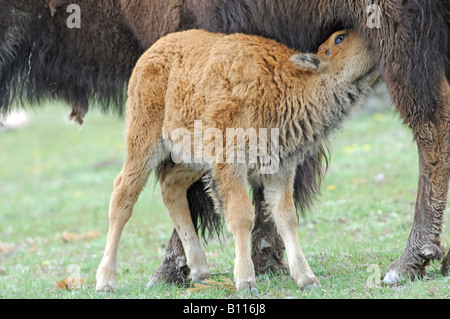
(267, 245)
(174, 267)
(446, 265)
(424, 242)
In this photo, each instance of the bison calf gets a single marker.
(189, 89)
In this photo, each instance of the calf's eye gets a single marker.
(340, 38)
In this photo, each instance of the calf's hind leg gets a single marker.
(175, 181)
(145, 152)
(127, 187)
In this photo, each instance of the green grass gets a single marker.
(56, 180)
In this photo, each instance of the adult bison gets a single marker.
(42, 56)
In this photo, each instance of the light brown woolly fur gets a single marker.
(241, 81)
(232, 81)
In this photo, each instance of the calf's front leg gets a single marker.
(231, 188)
(279, 197)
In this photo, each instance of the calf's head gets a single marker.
(344, 54)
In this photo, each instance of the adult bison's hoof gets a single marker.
(411, 265)
(446, 265)
(170, 275)
(174, 267)
(392, 278)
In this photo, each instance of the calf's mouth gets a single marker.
(371, 78)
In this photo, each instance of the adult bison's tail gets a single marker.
(207, 222)
(308, 178)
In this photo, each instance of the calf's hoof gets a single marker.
(308, 283)
(106, 278)
(244, 284)
(104, 287)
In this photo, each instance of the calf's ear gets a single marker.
(308, 62)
